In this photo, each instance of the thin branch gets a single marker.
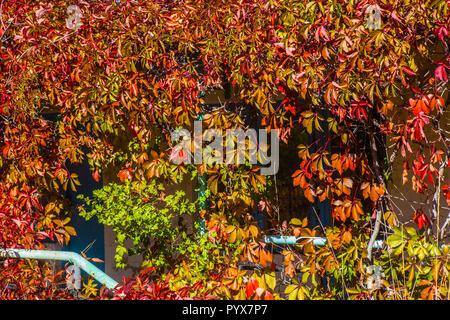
(331, 248)
(379, 211)
(444, 227)
(436, 198)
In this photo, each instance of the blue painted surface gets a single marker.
(89, 233)
(322, 209)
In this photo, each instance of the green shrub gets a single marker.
(139, 212)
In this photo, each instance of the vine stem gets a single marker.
(332, 251)
(435, 207)
(379, 211)
(373, 237)
(444, 227)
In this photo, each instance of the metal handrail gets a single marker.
(110, 283)
(317, 241)
(71, 257)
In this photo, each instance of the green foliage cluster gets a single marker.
(410, 267)
(160, 228)
(145, 221)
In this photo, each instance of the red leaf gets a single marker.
(96, 176)
(441, 32)
(134, 89)
(124, 175)
(268, 296)
(420, 219)
(408, 71)
(251, 287)
(395, 16)
(440, 73)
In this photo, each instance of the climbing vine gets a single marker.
(371, 76)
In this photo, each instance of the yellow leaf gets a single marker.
(71, 230)
(212, 184)
(253, 231)
(390, 218)
(270, 279)
(295, 222)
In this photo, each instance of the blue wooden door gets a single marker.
(90, 234)
(320, 210)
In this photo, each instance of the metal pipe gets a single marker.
(317, 241)
(71, 257)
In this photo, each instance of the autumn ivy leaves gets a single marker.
(136, 70)
(332, 176)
